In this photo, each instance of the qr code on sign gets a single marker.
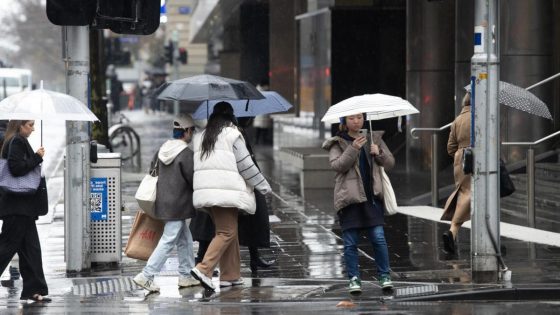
(96, 202)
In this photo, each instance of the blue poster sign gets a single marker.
(184, 10)
(98, 198)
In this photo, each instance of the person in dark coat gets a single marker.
(253, 230)
(19, 212)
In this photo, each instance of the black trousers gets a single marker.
(19, 235)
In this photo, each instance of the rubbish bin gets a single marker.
(105, 208)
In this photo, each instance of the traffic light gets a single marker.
(183, 55)
(168, 51)
(115, 54)
(139, 17)
(71, 12)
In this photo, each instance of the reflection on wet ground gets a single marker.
(415, 245)
(306, 240)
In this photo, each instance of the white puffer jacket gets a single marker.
(216, 180)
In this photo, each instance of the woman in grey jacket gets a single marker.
(174, 162)
(358, 195)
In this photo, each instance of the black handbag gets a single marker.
(467, 160)
(42, 198)
(506, 184)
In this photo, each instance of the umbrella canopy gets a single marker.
(208, 87)
(376, 106)
(44, 104)
(521, 99)
(271, 103)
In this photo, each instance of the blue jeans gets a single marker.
(174, 233)
(376, 236)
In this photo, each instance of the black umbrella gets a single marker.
(208, 87)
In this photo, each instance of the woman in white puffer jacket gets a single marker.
(223, 183)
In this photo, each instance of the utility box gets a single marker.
(105, 209)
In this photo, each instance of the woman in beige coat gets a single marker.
(358, 195)
(458, 206)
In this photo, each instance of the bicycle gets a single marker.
(126, 141)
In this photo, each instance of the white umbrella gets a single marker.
(376, 106)
(44, 104)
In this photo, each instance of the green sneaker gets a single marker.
(385, 282)
(355, 286)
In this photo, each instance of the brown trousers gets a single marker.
(224, 247)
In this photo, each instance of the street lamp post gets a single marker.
(485, 140)
(76, 175)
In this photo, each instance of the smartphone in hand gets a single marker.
(362, 132)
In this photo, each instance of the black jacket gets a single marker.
(21, 160)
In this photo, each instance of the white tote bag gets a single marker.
(389, 198)
(146, 193)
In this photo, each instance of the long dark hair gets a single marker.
(12, 130)
(221, 117)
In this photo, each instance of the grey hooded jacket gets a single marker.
(175, 176)
(343, 158)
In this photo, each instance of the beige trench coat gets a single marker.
(458, 206)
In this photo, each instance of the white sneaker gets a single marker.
(187, 281)
(145, 283)
(204, 280)
(231, 283)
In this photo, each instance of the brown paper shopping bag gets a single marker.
(144, 236)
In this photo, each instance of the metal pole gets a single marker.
(435, 162)
(175, 40)
(76, 176)
(4, 89)
(531, 222)
(485, 132)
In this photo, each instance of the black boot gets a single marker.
(448, 242)
(202, 248)
(257, 261)
(14, 273)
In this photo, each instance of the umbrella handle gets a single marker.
(370, 131)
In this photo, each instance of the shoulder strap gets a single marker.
(154, 170)
(154, 165)
(10, 145)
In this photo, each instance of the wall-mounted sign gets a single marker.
(185, 10)
(98, 198)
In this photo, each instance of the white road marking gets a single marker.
(517, 232)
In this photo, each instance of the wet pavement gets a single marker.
(309, 275)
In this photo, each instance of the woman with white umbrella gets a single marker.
(358, 194)
(19, 212)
